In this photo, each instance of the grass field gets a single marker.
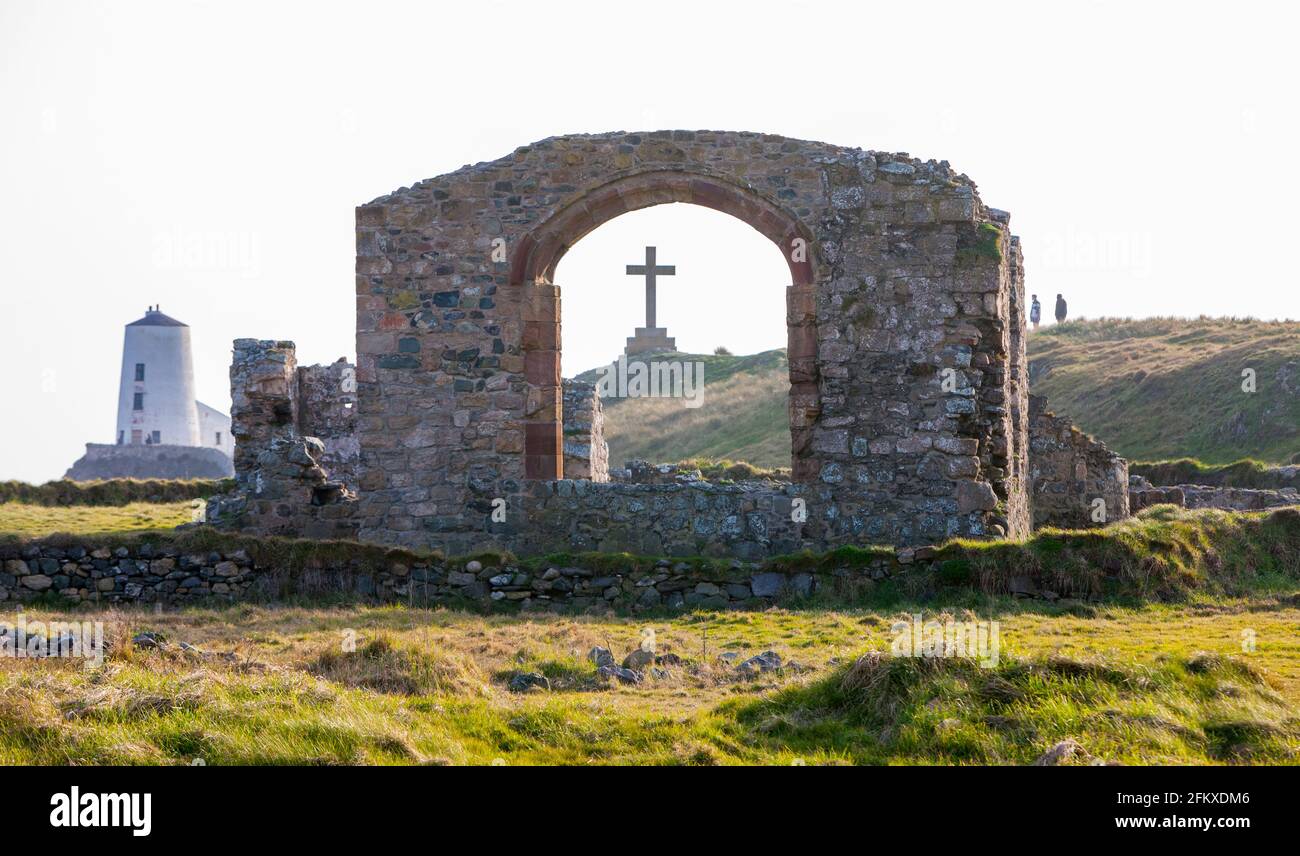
(1152, 684)
(35, 521)
(1210, 677)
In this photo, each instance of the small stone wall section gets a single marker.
(143, 461)
(747, 520)
(1069, 471)
(283, 486)
(1142, 495)
(327, 410)
(586, 454)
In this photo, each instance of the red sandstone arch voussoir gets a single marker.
(538, 252)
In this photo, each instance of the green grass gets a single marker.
(743, 415)
(1246, 473)
(1142, 660)
(111, 491)
(35, 521)
(729, 470)
(275, 685)
(1160, 388)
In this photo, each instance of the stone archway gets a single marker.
(538, 252)
(906, 349)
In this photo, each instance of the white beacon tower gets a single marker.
(155, 402)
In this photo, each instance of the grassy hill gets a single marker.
(1151, 389)
(1160, 388)
(743, 415)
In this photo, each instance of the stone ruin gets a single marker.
(908, 411)
(1070, 471)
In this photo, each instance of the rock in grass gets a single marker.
(768, 661)
(626, 676)
(149, 640)
(523, 682)
(638, 660)
(1061, 753)
(601, 656)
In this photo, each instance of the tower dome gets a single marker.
(155, 403)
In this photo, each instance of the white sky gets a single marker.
(208, 156)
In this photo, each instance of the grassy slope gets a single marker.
(1167, 388)
(1151, 389)
(742, 416)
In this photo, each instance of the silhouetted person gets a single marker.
(1060, 309)
(1035, 312)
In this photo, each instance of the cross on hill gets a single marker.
(650, 270)
(650, 338)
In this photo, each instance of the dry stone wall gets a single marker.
(1142, 495)
(168, 572)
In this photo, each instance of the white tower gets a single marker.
(155, 402)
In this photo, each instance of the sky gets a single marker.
(207, 157)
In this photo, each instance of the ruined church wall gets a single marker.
(1018, 493)
(905, 274)
(586, 454)
(1069, 471)
(327, 398)
(283, 484)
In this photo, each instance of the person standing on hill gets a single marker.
(1060, 309)
(1035, 311)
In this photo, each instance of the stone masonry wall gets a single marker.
(1142, 495)
(282, 484)
(586, 454)
(1069, 471)
(168, 573)
(747, 520)
(147, 461)
(903, 317)
(327, 411)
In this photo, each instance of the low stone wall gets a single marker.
(1237, 498)
(1069, 471)
(172, 574)
(146, 461)
(748, 520)
(586, 454)
(1146, 496)
(1143, 494)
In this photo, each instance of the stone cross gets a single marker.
(650, 270)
